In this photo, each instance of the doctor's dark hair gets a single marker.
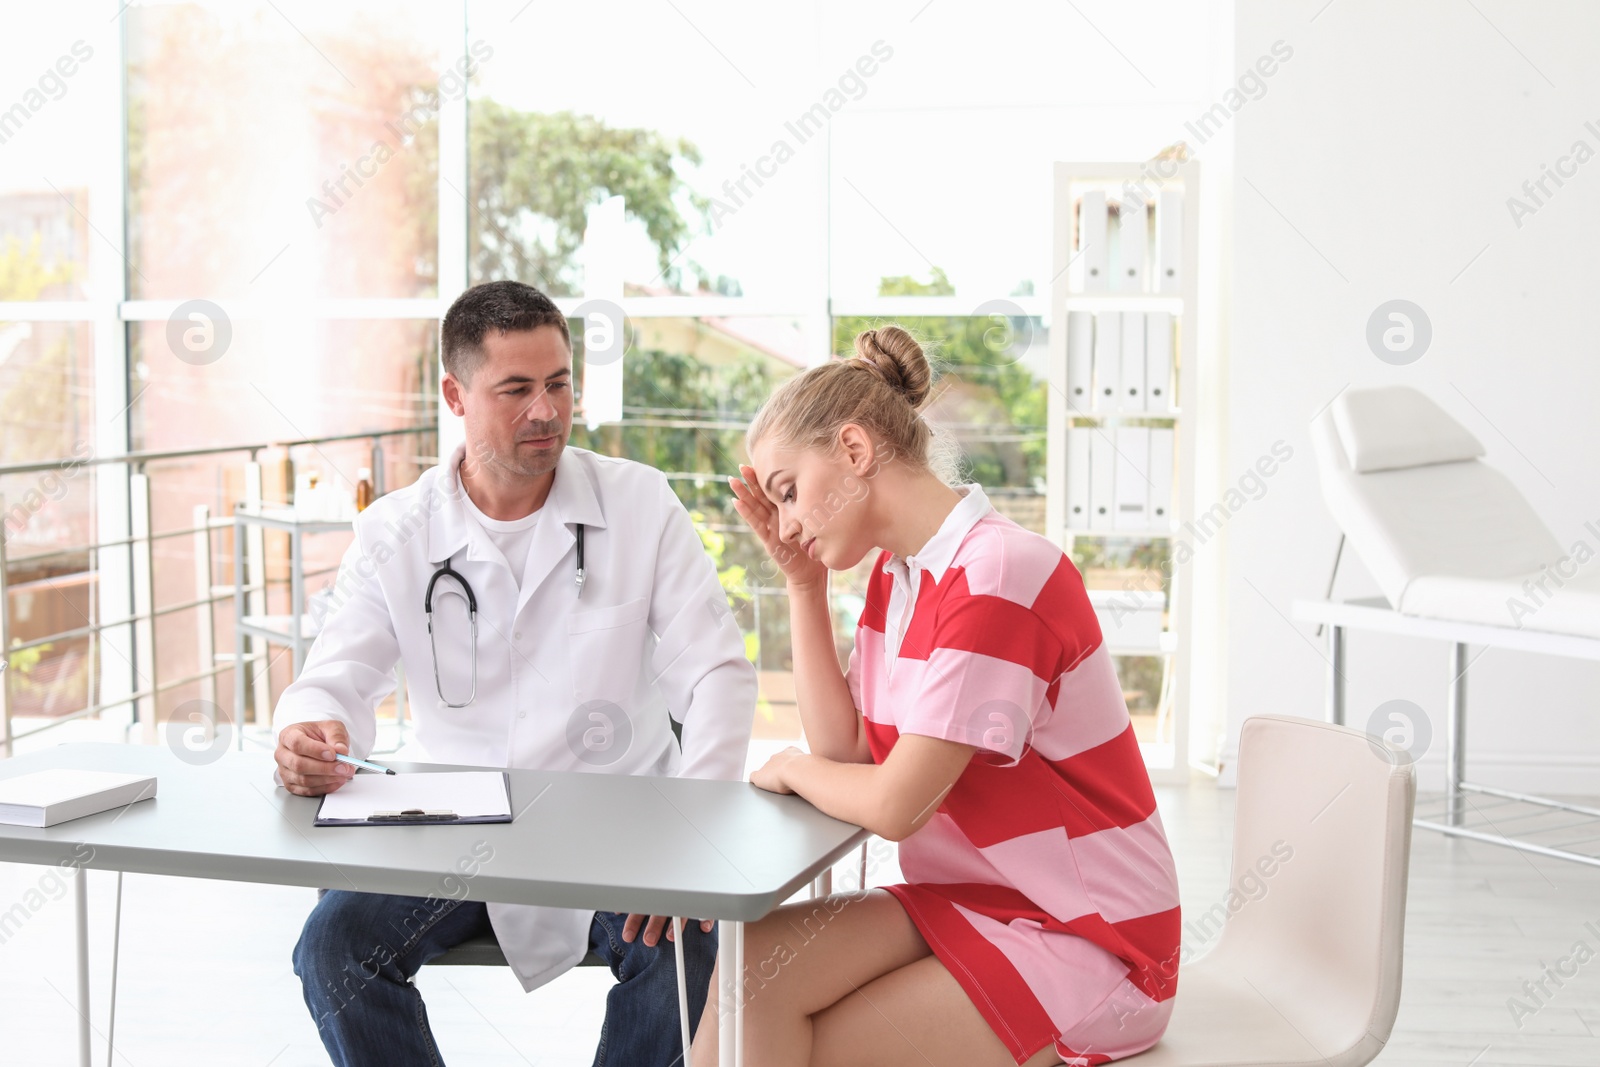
(882, 389)
(501, 307)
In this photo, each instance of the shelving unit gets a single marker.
(1073, 290)
(258, 630)
(263, 630)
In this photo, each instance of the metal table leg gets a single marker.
(80, 900)
(730, 1003)
(116, 951)
(1336, 640)
(683, 988)
(1455, 768)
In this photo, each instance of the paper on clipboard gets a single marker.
(471, 796)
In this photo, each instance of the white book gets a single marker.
(1133, 479)
(1169, 241)
(1107, 361)
(1130, 378)
(1102, 480)
(1133, 238)
(1080, 361)
(1078, 476)
(1158, 361)
(45, 798)
(1094, 249)
(1161, 459)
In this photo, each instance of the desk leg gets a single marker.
(80, 900)
(1455, 767)
(730, 1003)
(683, 987)
(1336, 638)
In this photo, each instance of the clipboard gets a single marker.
(418, 799)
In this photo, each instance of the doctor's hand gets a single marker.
(305, 757)
(653, 925)
(761, 515)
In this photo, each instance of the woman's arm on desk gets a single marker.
(893, 799)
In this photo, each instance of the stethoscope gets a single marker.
(446, 571)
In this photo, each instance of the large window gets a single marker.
(282, 150)
(239, 223)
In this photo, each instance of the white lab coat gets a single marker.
(563, 683)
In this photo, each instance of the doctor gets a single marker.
(598, 616)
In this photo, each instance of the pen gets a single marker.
(342, 758)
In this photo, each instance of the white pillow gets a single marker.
(1395, 427)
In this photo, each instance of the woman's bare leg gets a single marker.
(850, 981)
(802, 959)
(917, 1015)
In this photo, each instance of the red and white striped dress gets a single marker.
(1044, 882)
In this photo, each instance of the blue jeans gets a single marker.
(359, 951)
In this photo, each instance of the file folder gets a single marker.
(1107, 361)
(1133, 240)
(1078, 477)
(1130, 391)
(1132, 494)
(1094, 251)
(1158, 361)
(1102, 480)
(1080, 362)
(1130, 619)
(1169, 241)
(1161, 460)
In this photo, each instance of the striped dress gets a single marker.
(1044, 882)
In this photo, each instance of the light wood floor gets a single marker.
(206, 976)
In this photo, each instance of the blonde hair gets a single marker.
(882, 389)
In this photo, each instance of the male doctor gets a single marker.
(578, 667)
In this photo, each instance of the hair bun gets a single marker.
(894, 355)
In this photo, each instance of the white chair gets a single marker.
(1460, 556)
(1307, 968)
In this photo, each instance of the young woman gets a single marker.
(981, 725)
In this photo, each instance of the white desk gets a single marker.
(675, 846)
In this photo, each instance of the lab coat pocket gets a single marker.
(607, 650)
(617, 615)
(607, 647)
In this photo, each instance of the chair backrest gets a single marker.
(1321, 852)
(1404, 483)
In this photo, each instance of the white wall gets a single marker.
(1377, 165)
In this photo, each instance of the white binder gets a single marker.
(1078, 477)
(1080, 362)
(1132, 495)
(1169, 241)
(1102, 480)
(1107, 361)
(1158, 361)
(1130, 378)
(1161, 459)
(1094, 252)
(1133, 237)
